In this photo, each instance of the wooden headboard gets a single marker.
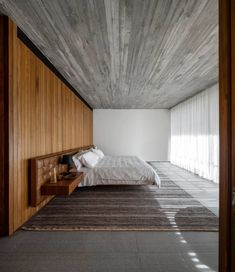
(40, 168)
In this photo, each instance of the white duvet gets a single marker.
(120, 170)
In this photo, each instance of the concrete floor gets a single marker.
(203, 190)
(109, 251)
(28, 251)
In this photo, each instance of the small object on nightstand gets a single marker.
(73, 170)
(71, 175)
(53, 177)
(67, 159)
(62, 168)
(60, 176)
(54, 173)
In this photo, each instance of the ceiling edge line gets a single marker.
(191, 96)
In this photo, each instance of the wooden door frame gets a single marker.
(226, 136)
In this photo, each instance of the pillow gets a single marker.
(77, 158)
(89, 159)
(98, 152)
(84, 170)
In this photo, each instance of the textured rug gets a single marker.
(126, 208)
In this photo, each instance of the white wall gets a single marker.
(144, 133)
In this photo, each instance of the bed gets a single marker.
(110, 170)
(120, 170)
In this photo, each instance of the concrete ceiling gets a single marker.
(126, 53)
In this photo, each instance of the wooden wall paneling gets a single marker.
(28, 131)
(71, 117)
(35, 104)
(85, 126)
(79, 123)
(91, 127)
(32, 135)
(12, 128)
(45, 116)
(60, 116)
(17, 143)
(53, 107)
(28, 135)
(72, 135)
(55, 124)
(76, 123)
(52, 120)
(88, 126)
(64, 116)
(4, 153)
(70, 121)
(22, 93)
(43, 130)
(40, 106)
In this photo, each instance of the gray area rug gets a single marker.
(169, 208)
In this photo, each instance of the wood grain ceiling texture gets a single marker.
(126, 54)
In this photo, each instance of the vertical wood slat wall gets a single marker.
(45, 116)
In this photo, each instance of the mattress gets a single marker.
(120, 170)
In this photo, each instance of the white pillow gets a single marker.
(89, 159)
(98, 152)
(77, 158)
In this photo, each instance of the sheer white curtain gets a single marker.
(195, 134)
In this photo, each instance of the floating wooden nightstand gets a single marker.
(62, 187)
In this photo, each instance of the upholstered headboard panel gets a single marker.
(40, 168)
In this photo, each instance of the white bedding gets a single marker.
(120, 170)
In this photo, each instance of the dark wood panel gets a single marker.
(4, 159)
(45, 117)
(232, 185)
(225, 135)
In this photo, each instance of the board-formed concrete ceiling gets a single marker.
(126, 53)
